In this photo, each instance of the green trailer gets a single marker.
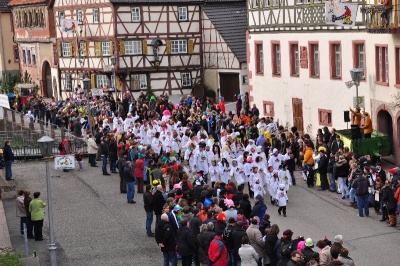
(378, 145)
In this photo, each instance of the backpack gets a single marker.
(228, 236)
(286, 249)
(60, 147)
(221, 249)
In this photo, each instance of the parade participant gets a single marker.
(225, 170)
(237, 172)
(256, 182)
(367, 125)
(215, 172)
(356, 115)
(281, 199)
(276, 158)
(273, 186)
(284, 177)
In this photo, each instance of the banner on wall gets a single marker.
(68, 25)
(341, 14)
(4, 101)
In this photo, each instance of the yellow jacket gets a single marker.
(356, 117)
(367, 125)
(308, 156)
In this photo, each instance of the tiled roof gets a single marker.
(3, 6)
(24, 2)
(231, 22)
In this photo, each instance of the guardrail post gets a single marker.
(52, 133)
(13, 116)
(41, 126)
(22, 120)
(5, 119)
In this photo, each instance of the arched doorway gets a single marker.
(385, 125)
(46, 77)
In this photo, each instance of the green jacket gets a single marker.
(36, 208)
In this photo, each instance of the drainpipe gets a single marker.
(3, 59)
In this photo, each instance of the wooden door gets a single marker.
(229, 86)
(297, 105)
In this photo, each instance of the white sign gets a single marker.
(1, 113)
(4, 101)
(342, 14)
(108, 68)
(68, 25)
(64, 162)
(97, 92)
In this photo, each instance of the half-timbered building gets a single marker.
(162, 45)
(298, 64)
(34, 35)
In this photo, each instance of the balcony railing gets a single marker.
(381, 19)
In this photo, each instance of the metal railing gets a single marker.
(32, 152)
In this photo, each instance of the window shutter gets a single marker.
(97, 49)
(144, 47)
(59, 48)
(168, 46)
(111, 47)
(93, 81)
(71, 49)
(121, 47)
(84, 52)
(190, 46)
(117, 83)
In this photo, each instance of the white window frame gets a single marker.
(186, 79)
(275, 3)
(33, 55)
(135, 14)
(61, 15)
(102, 81)
(315, 51)
(66, 49)
(296, 59)
(68, 82)
(338, 63)
(95, 15)
(28, 56)
(183, 13)
(81, 49)
(277, 51)
(179, 46)
(106, 48)
(79, 16)
(142, 81)
(24, 56)
(133, 47)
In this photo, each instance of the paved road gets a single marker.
(95, 226)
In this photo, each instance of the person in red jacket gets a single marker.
(221, 104)
(139, 167)
(217, 252)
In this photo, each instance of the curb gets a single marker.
(5, 240)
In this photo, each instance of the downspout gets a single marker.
(3, 63)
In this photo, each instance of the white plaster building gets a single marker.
(298, 65)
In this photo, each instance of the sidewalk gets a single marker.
(5, 241)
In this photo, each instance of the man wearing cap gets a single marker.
(259, 208)
(367, 125)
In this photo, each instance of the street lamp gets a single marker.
(46, 145)
(114, 62)
(356, 76)
(86, 87)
